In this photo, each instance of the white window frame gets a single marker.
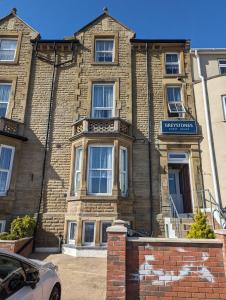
(83, 233)
(71, 241)
(79, 171)
(181, 102)
(123, 171)
(173, 63)
(105, 51)
(176, 160)
(11, 39)
(100, 146)
(101, 231)
(3, 223)
(221, 65)
(224, 106)
(10, 168)
(6, 83)
(103, 108)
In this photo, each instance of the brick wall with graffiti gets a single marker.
(151, 269)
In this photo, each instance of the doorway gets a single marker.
(179, 182)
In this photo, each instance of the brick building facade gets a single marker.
(94, 109)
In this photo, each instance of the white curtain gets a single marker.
(7, 49)
(100, 170)
(102, 101)
(5, 159)
(174, 94)
(4, 98)
(78, 163)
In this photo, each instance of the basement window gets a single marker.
(2, 225)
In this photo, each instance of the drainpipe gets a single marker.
(149, 139)
(209, 133)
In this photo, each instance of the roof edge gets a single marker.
(160, 41)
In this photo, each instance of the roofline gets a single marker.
(34, 41)
(209, 50)
(160, 41)
(97, 18)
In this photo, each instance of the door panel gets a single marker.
(175, 189)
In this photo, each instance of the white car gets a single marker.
(27, 279)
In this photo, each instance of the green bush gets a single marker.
(22, 226)
(8, 236)
(200, 228)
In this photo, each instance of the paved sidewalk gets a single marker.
(82, 278)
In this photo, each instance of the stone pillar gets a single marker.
(116, 261)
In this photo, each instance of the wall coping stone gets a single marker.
(117, 228)
(13, 241)
(167, 240)
(220, 231)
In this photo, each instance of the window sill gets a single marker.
(104, 63)
(174, 75)
(93, 197)
(13, 62)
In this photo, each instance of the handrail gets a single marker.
(175, 215)
(213, 209)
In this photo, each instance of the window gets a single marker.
(103, 100)
(88, 233)
(224, 106)
(104, 226)
(175, 105)
(78, 167)
(5, 89)
(2, 225)
(172, 63)
(7, 49)
(104, 50)
(6, 162)
(177, 157)
(123, 171)
(71, 232)
(100, 170)
(222, 65)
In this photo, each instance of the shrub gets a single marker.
(8, 236)
(22, 226)
(200, 229)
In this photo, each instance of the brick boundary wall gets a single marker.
(15, 246)
(167, 269)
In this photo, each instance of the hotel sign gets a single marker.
(178, 127)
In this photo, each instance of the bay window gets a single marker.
(100, 171)
(104, 226)
(78, 168)
(5, 89)
(7, 49)
(174, 99)
(88, 233)
(6, 162)
(104, 50)
(103, 100)
(2, 225)
(172, 63)
(123, 171)
(71, 232)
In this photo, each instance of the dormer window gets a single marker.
(104, 50)
(172, 63)
(7, 49)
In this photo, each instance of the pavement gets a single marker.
(82, 278)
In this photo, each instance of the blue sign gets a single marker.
(178, 127)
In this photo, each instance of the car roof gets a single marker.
(17, 256)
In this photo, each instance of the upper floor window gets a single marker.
(172, 63)
(174, 99)
(103, 100)
(6, 162)
(222, 66)
(123, 171)
(224, 106)
(78, 167)
(5, 89)
(104, 50)
(7, 49)
(100, 169)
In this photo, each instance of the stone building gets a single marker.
(209, 70)
(108, 132)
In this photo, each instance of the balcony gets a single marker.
(12, 128)
(114, 126)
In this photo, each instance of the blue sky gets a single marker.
(202, 21)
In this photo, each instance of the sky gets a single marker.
(202, 21)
